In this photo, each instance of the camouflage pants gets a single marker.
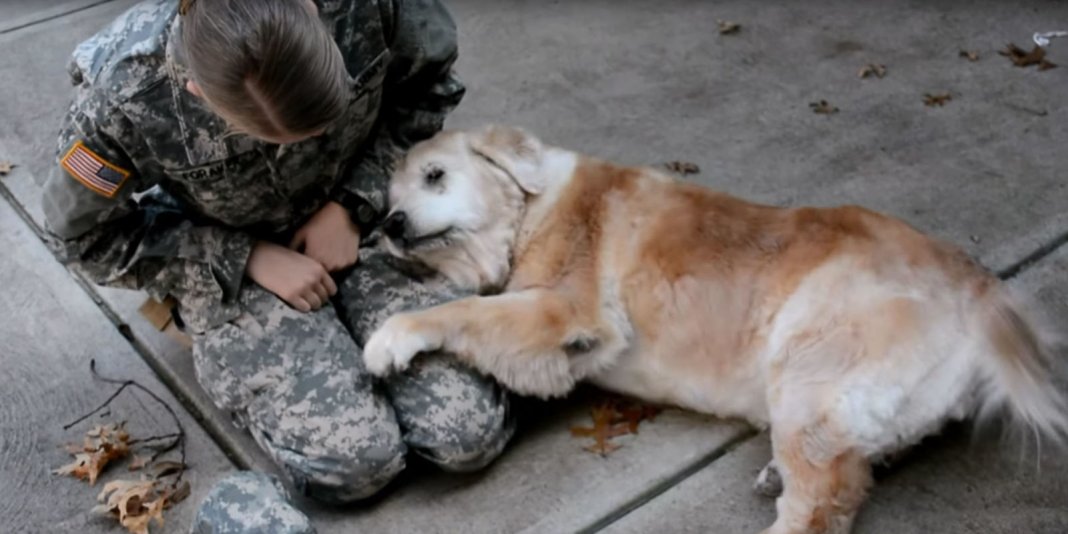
(297, 382)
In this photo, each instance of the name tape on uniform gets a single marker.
(94, 171)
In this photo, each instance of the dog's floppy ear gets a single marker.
(515, 152)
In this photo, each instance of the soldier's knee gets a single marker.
(348, 477)
(249, 502)
(472, 445)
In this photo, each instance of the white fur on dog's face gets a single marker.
(461, 209)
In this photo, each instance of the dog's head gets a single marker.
(457, 199)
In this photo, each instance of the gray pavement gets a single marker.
(50, 330)
(639, 82)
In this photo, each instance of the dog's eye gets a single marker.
(434, 175)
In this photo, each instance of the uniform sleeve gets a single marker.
(95, 226)
(420, 91)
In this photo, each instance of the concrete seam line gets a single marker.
(672, 481)
(1034, 257)
(35, 22)
(216, 433)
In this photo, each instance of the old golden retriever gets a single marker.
(849, 333)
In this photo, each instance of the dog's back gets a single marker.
(850, 333)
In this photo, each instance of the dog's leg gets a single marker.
(524, 339)
(824, 480)
(769, 482)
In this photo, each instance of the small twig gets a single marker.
(161, 437)
(1025, 109)
(179, 437)
(98, 408)
(160, 450)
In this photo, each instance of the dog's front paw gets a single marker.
(393, 345)
(769, 483)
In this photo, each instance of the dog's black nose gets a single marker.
(394, 225)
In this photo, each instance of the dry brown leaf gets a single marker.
(682, 168)
(118, 495)
(179, 494)
(5, 167)
(152, 511)
(79, 468)
(103, 445)
(613, 418)
(1023, 58)
(822, 107)
(727, 27)
(159, 470)
(936, 99)
(969, 55)
(872, 69)
(134, 503)
(634, 414)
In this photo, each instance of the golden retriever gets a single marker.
(849, 333)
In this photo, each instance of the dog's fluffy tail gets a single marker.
(1020, 370)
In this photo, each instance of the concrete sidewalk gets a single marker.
(639, 82)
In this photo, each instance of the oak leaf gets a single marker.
(936, 99)
(1023, 58)
(181, 491)
(134, 503)
(872, 69)
(103, 445)
(613, 418)
(822, 107)
(682, 168)
(159, 470)
(727, 27)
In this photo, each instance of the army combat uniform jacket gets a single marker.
(133, 127)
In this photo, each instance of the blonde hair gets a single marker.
(269, 67)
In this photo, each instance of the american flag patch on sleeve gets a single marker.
(93, 171)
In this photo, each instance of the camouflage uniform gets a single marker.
(250, 502)
(170, 204)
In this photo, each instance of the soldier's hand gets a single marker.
(329, 238)
(297, 279)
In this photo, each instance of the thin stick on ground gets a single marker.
(178, 437)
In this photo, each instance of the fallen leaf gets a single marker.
(79, 468)
(872, 69)
(613, 418)
(683, 168)
(936, 99)
(1023, 58)
(634, 414)
(822, 107)
(103, 445)
(134, 503)
(5, 167)
(159, 470)
(153, 511)
(181, 491)
(727, 27)
(969, 55)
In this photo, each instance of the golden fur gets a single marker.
(848, 332)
